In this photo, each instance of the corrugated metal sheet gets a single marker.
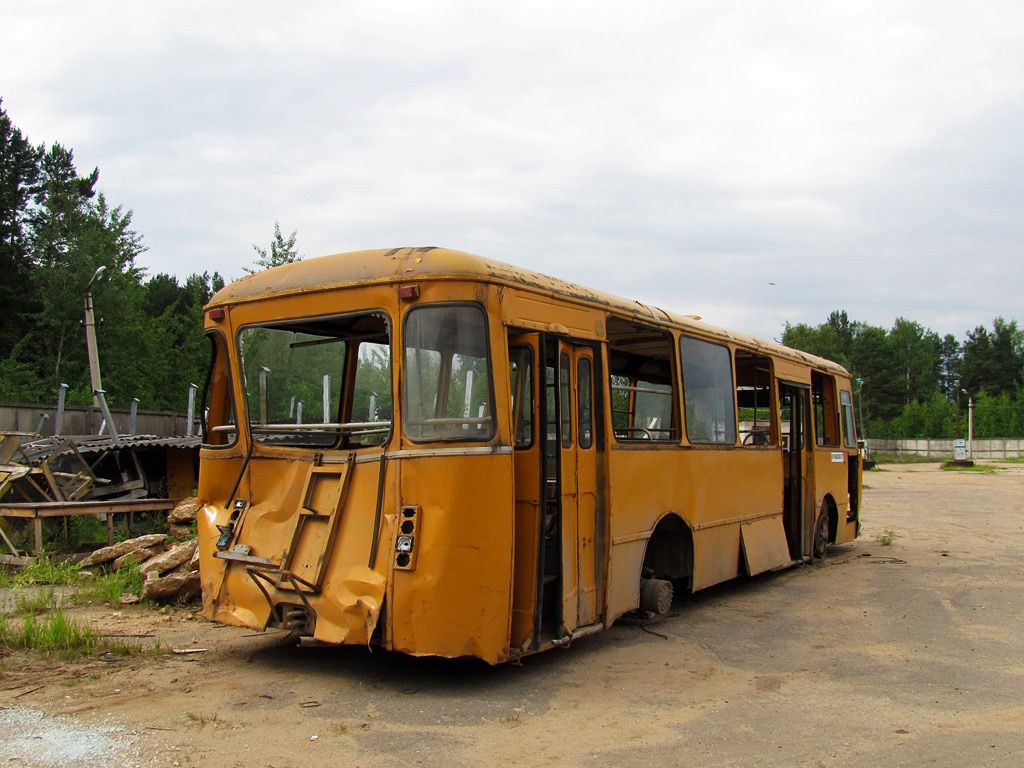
(37, 450)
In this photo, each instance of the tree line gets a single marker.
(56, 230)
(913, 383)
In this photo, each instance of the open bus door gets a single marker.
(799, 515)
(559, 541)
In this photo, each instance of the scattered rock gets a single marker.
(135, 556)
(179, 585)
(171, 559)
(184, 512)
(106, 554)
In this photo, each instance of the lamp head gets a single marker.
(95, 274)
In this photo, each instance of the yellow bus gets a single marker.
(440, 454)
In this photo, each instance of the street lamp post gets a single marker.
(956, 383)
(970, 424)
(90, 339)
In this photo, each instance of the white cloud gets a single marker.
(691, 154)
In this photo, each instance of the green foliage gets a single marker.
(916, 384)
(282, 251)
(55, 231)
(43, 571)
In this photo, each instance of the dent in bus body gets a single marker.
(458, 600)
(284, 546)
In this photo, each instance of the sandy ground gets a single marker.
(907, 654)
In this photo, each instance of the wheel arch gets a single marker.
(669, 551)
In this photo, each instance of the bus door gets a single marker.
(578, 485)
(798, 504)
(558, 550)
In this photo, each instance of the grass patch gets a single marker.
(42, 571)
(57, 633)
(101, 587)
(54, 632)
(985, 469)
(36, 603)
(108, 587)
(902, 458)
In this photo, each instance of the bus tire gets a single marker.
(655, 596)
(821, 534)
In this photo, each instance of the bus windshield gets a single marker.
(296, 374)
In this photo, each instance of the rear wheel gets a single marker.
(655, 596)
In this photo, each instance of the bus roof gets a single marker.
(343, 270)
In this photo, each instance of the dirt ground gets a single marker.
(902, 654)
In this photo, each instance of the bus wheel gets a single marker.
(655, 596)
(821, 535)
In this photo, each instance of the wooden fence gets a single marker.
(86, 420)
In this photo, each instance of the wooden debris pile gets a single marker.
(171, 571)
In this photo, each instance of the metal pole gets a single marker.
(264, 371)
(970, 428)
(58, 425)
(327, 398)
(298, 412)
(100, 396)
(43, 417)
(90, 338)
(191, 409)
(133, 416)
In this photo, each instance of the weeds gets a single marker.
(102, 588)
(887, 538)
(42, 571)
(54, 632)
(34, 604)
(108, 587)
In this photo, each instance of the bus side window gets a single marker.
(708, 391)
(754, 398)
(642, 382)
(849, 430)
(826, 410)
(447, 385)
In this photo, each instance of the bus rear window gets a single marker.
(447, 374)
(297, 388)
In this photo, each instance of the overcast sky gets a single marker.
(751, 162)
